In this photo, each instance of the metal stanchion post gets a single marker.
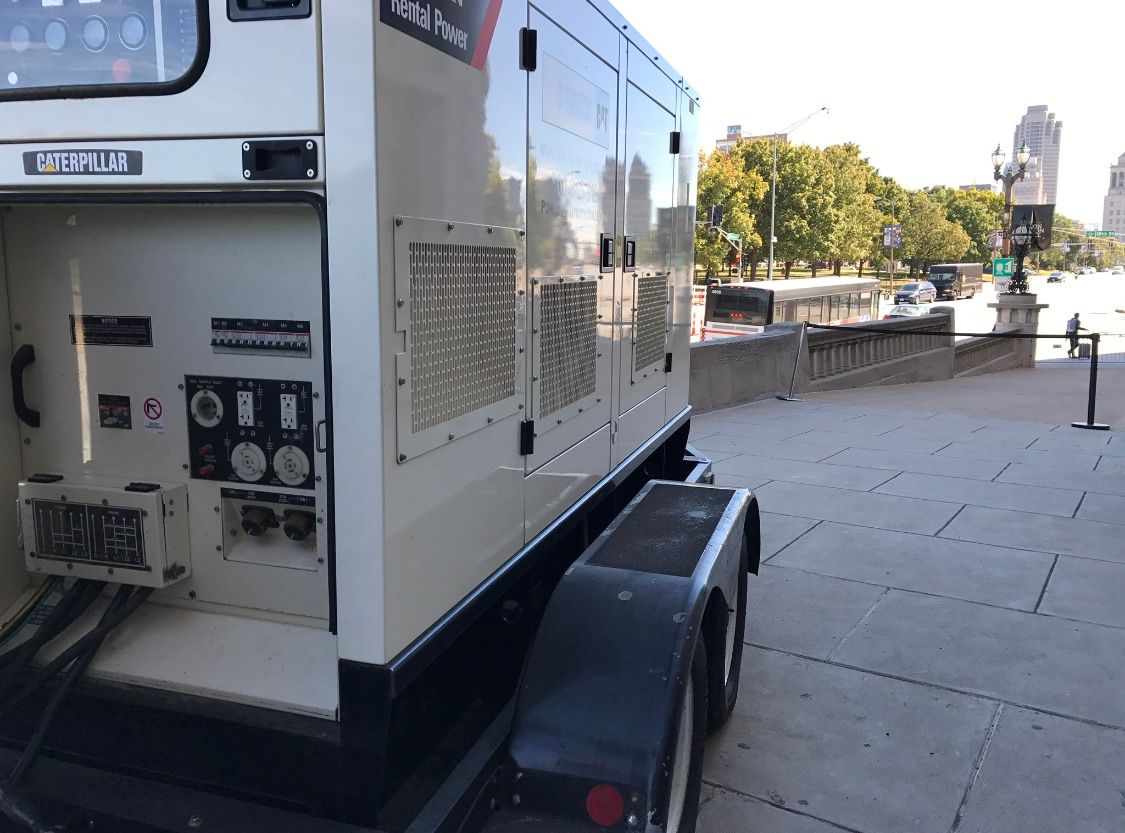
(796, 364)
(1093, 394)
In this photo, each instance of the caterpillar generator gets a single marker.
(344, 453)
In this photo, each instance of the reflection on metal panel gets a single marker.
(463, 330)
(651, 334)
(568, 336)
(576, 104)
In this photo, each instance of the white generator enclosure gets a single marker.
(321, 314)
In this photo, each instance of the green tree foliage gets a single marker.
(928, 237)
(857, 219)
(979, 213)
(724, 180)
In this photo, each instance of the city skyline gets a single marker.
(924, 110)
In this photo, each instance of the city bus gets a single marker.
(742, 308)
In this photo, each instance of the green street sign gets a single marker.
(1101, 233)
(1002, 267)
(734, 235)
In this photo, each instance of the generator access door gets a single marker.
(650, 167)
(571, 228)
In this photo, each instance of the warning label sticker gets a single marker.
(154, 415)
(462, 29)
(111, 330)
(114, 411)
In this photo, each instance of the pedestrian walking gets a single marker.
(1072, 328)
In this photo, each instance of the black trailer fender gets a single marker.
(600, 696)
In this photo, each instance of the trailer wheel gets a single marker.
(724, 676)
(686, 781)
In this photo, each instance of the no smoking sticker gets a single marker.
(154, 415)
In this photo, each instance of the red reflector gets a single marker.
(122, 70)
(736, 315)
(605, 805)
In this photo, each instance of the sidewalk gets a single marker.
(937, 638)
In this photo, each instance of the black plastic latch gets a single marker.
(674, 142)
(238, 10)
(529, 49)
(667, 362)
(608, 252)
(286, 159)
(45, 478)
(527, 437)
(630, 253)
(142, 487)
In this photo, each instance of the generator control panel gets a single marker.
(244, 430)
(261, 337)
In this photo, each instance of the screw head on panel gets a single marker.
(246, 146)
(398, 221)
(450, 226)
(310, 173)
(309, 146)
(246, 173)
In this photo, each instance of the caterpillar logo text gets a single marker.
(85, 162)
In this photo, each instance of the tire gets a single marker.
(685, 781)
(723, 675)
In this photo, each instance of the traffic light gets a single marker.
(715, 216)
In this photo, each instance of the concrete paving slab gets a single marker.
(1108, 509)
(751, 430)
(905, 437)
(781, 449)
(867, 425)
(752, 483)
(1044, 533)
(779, 531)
(1115, 465)
(797, 471)
(1047, 459)
(862, 508)
(865, 752)
(804, 613)
(921, 445)
(1105, 482)
(1094, 442)
(1072, 668)
(909, 461)
(1088, 590)
(1046, 774)
(886, 421)
(726, 812)
(974, 572)
(1061, 502)
(998, 434)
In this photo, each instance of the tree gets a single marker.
(928, 237)
(979, 213)
(857, 219)
(724, 180)
(891, 200)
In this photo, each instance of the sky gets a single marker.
(926, 90)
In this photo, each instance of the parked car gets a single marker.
(922, 292)
(1117, 270)
(1057, 277)
(905, 311)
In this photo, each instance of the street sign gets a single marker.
(1002, 267)
(892, 236)
(1065, 247)
(734, 236)
(1101, 233)
(996, 240)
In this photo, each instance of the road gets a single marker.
(1098, 299)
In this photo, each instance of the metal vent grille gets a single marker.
(568, 344)
(652, 321)
(462, 330)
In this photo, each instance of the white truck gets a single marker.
(348, 428)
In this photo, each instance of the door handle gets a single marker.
(23, 358)
(608, 253)
(630, 253)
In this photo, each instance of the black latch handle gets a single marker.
(608, 253)
(23, 358)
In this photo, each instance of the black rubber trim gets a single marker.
(23, 358)
(184, 82)
(320, 206)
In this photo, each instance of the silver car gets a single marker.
(922, 292)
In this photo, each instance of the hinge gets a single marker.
(527, 437)
(674, 142)
(529, 49)
(667, 362)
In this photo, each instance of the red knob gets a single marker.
(206, 471)
(204, 450)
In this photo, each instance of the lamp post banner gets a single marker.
(892, 236)
(1039, 219)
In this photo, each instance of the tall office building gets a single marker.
(1043, 135)
(1113, 212)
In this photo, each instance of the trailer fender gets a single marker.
(600, 697)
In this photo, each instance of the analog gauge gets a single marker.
(95, 34)
(55, 35)
(134, 32)
(20, 37)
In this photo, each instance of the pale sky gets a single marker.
(925, 89)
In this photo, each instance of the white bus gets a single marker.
(742, 308)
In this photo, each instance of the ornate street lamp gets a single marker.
(1009, 178)
(1022, 236)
